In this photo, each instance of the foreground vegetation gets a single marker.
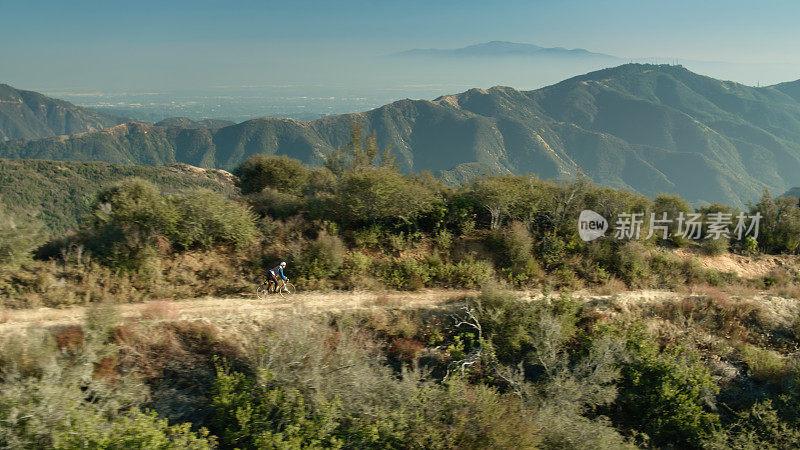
(496, 371)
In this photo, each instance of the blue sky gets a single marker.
(203, 43)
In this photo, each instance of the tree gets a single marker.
(498, 195)
(359, 153)
(673, 206)
(779, 226)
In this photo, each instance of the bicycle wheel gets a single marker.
(287, 290)
(262, 291)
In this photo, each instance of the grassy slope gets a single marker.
(60, 193)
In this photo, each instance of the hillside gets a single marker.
(60, 193)
(648, 128)
(30, 115)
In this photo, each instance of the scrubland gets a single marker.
(429, 316)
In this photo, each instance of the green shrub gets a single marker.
(760, 426)
(467, 273)
(274, 203)
(716, 247)
(369, 237)
(779, 229)
(665, 394)
(358, 263)
(133, 223)
(207, 219)
(356, 402)
(513, 246)
(284, 174)
(381, 195)
(17, 238)
(693, 270)
(72, 400)
(553, 250)
(247, 415)
(406, 274)
(135, 203)
(133, 429)
(631, 264)
(667, 268)
(673, 205)
(443, 240)
(129, 218)
(397, 242)
(517, 329)
(749, 246)
(320, 259)
(565, 277)
(764, 365)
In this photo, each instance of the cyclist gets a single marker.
(276, 272)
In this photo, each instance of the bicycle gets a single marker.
(285, 289)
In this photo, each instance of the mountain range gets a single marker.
(185, 122)
(648, 128)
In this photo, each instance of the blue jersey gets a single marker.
(278, 271)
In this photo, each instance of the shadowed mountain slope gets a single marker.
(30, 115)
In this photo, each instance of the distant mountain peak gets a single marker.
(500, 49)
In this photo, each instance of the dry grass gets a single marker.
(77, 280)
(612, 286)
(388, 301)
(790, 291)
(378, 319)
(160, 310)
(716, 295)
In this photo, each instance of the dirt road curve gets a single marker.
(222, 310)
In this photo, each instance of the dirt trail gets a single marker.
(235, 309)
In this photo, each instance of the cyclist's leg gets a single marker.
(273, 281)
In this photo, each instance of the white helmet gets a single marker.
(283, 263)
